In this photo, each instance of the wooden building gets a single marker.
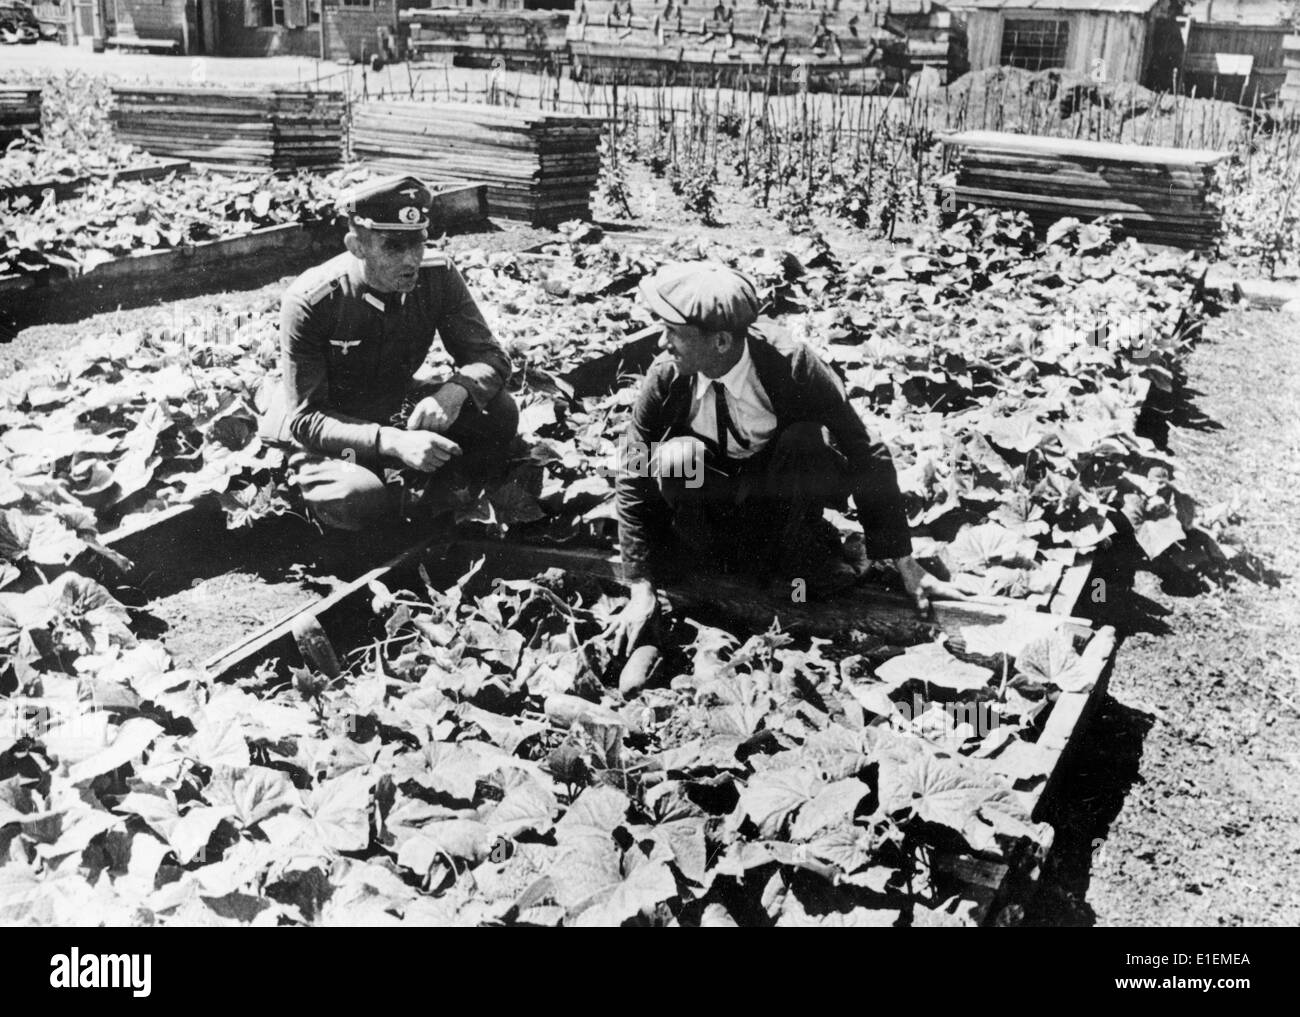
(823, 42)
(1235, 49)
(156, 24)
(1289, 95)
(1108, 40)
(267, 28)
(356, 29)
(477, 37)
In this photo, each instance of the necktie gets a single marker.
(724, 422)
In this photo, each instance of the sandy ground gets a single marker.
(1183, 809)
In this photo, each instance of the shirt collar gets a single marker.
(734, 380)
(377, 299)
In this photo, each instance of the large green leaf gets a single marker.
(1051, 660)
(127, 743)
(771, 799)
(253, 794)
(931, 663)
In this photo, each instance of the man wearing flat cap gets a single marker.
(353, 333)
(777, 439)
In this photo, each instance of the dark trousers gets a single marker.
(343, 494)
(752, 515)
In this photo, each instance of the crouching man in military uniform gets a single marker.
(353, 333)
(748, 443)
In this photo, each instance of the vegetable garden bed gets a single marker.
(818, 781)
(146, 278)
(225, 264)
(988, 883)
(66, 187)
(20, 112)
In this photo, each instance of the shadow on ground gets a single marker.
(1091, 795)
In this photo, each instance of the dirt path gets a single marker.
(1183, 809)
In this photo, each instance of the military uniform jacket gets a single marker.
(348, 353)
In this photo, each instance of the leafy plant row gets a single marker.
(874, 161)
(113, 219)
(140, 420)
(462, 771)
(1005, 375)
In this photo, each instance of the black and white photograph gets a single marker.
(650, 463)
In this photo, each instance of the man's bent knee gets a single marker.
(345, 496)
(502, 418)
(678, 466)
(805, 464)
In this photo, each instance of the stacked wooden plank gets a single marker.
(480, 38)
(1162, 195)
(20, 110)
(1290, 93)
(539, 167)
(667, 41)
(259, 129)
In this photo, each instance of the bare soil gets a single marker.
(1182, 808)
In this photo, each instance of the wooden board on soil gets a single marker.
(234, 589)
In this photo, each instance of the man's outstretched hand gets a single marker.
(923, 587)
(632, 620)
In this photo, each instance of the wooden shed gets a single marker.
(156, 24)
(1234, 49)
(1109, 40)
(352, 28)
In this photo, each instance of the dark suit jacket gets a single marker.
(802, 388)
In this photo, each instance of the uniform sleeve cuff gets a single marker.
(474, 388)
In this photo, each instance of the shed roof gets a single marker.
(1101, 6)
(1266, 13)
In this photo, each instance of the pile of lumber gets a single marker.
(238, 128)
(482, 38)
(672, 41)
(1290, 93)
(1162, 195)
(20, 110)
(539, 167)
